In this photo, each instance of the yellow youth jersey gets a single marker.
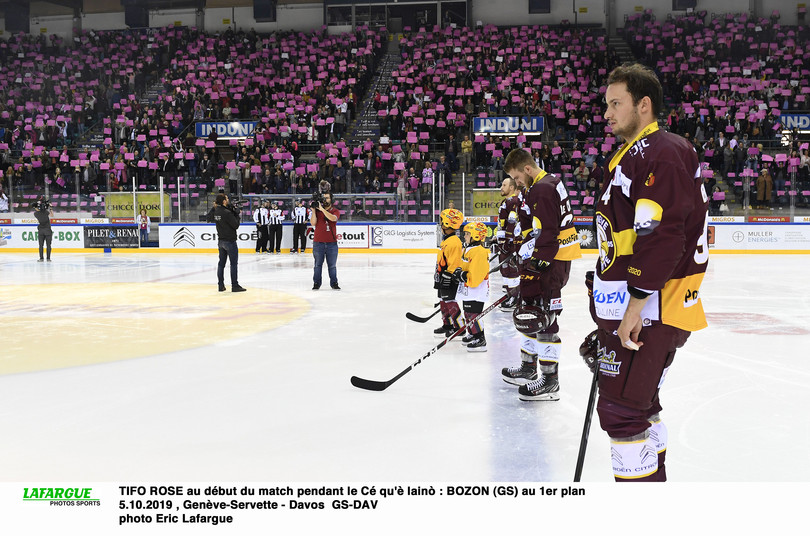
(475, 261)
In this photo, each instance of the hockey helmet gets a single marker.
(452, 218)
(477, 230)
(531, 319)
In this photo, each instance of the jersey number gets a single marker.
(702, 250)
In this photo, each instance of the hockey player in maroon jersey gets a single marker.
(505, 235)
(447, 261)
(549, 242)
(651, 230)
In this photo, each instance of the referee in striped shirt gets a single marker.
(276, 217)
(300, 217)
(260, 216)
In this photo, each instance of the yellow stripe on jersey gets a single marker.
(681, 305)
(649, 129)
(569, 245)
(536, 225)
(623, 242)
(538, 178)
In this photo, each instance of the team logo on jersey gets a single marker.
(650, 180)
(607, 362)
(648, 216)
(638, 147)
(604, 239)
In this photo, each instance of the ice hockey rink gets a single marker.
(132, 367)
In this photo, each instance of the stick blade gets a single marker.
(411, 316)
(369, 385)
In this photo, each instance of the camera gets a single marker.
(42, 205)
(317, 199)
(235, 204)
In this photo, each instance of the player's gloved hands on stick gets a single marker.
(538, 266)
(589, 350)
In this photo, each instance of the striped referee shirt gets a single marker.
(300, 215)
(260, 216)
(276, 217)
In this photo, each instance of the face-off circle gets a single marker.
(74, 324)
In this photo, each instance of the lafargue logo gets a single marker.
(376, 236)
(72, 496)
(183, 235)
(5, 236)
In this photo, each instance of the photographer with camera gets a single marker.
(226, 217)
(323, 219)
(43, 213)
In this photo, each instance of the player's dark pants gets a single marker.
(508, 269)
(628, 403)
(45, 236)
(274, 241)
(299, 236)
(544, 288)
(228, 252)
(261, 242)
(546, 285)
(471, 311)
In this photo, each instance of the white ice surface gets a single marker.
(278, 406)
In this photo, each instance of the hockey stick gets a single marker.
(423, 319)
(371, 385)
(583, 442)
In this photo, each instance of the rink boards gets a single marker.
(725, 235)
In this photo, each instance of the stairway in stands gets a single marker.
(94, 138)
(365, 124)
(621, 47)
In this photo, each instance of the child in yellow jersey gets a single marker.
(473, 276)
(448, 260)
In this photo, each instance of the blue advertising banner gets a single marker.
(230, 129)
(791, 121)
(508, 125)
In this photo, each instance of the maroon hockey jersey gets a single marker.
(547, 221)
(508, 217)
(651, 223)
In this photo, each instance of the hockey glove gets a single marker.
(589, 350)
(460, 276)
(448, 286)
(446, 280)
(537, 266)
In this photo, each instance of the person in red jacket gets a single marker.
(323, 217)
